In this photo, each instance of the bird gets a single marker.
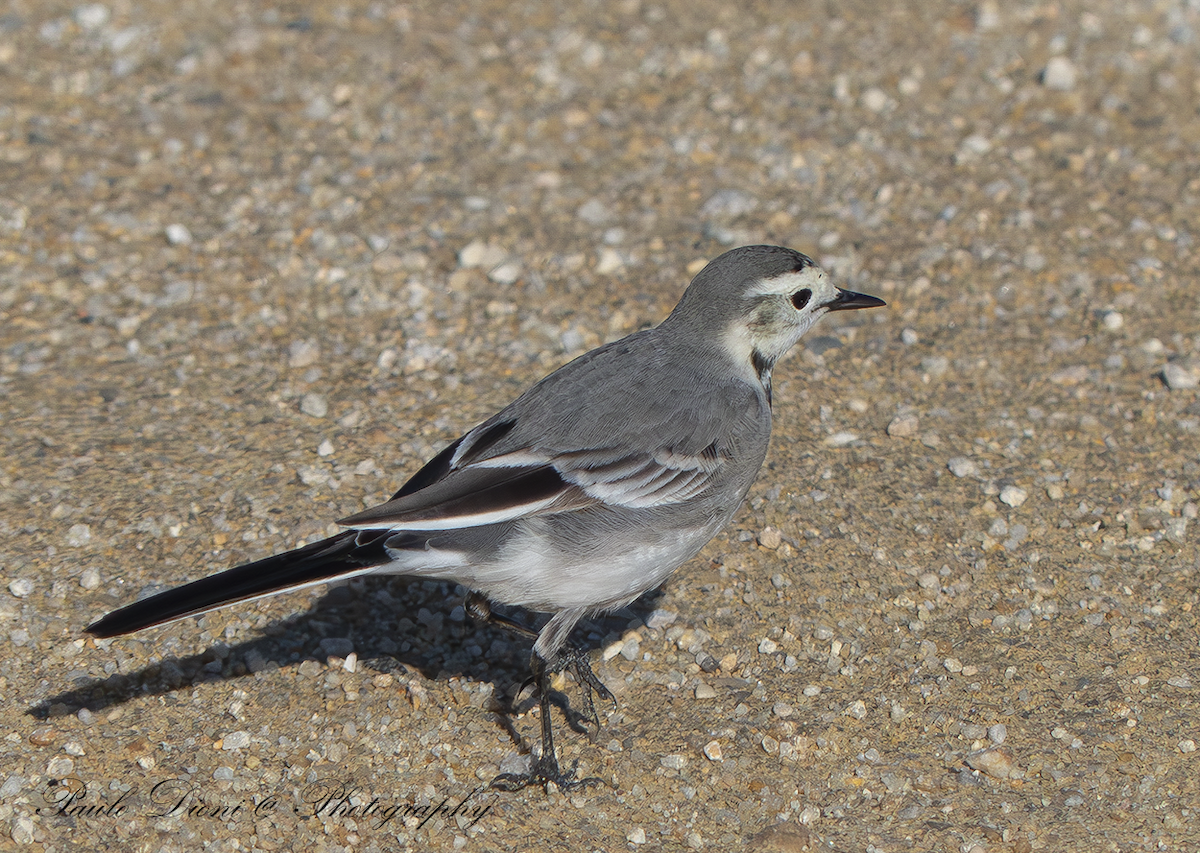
(585, 492)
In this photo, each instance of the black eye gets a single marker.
(800, 298)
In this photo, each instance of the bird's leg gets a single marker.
(545, 768)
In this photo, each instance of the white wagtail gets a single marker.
(585, 492)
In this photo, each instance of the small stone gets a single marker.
(1187, 745)
(1073, 375)
(995, 762)
(929, 581)
(712, 751)
(479, 254)
(787, 837)
(79, 535)
(314, 405)
(856, 709)
(178, 235)
(973, 147)
(952, 665)
(962, 466)
(325, 448)
(660, 619)
(728, 204)
(1014, 496)
(1059, 74)
(875, 99)
(770, 538)
(987, 15)
(673, 762)
(21, 587)
(908, 337)
(609, 262)
(904, 426)
(767, 646)
(594, 212)
(841, 439)
(1112, 320)
(998, 733)
(22, 830)
(506, 274)
(60, 766)
(637, 835)
(782, 709)
(303, 353)
(1055, 491)
(90, 579)
(705, 691)
(1180, 378)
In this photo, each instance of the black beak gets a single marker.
(847, 299)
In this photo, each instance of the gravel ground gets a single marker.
(257, 262)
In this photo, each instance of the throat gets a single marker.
(762, 368)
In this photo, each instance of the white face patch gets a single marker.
(785, 285)
(775, 324)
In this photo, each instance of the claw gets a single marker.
(544, 772)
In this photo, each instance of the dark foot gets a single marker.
(545, 771)
(576, 660)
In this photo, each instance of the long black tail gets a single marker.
(344, 555)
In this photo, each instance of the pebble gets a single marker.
(673, 761)
(594, 212)
(770, 538)
(705, 691)
(1059, 74)
(1073, 375)
(78, 535)
(314, 405)
(728, 204)
(22, 830)
(235, 740)
(506, 274)
(875, 99)
(841, 439)
(1112, 320)
(90, 578)
(637, 835)
(712, 751)
(767, 646)
(178, 235)
(904, 426)
(478, 254)
(303, 353)
(962, 466)
(1180, 378)
(995, 762)
(1014, 496)
(609, 261)
(908, 337)
(997, 733)
(21, 587)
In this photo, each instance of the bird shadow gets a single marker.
(393, 625)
